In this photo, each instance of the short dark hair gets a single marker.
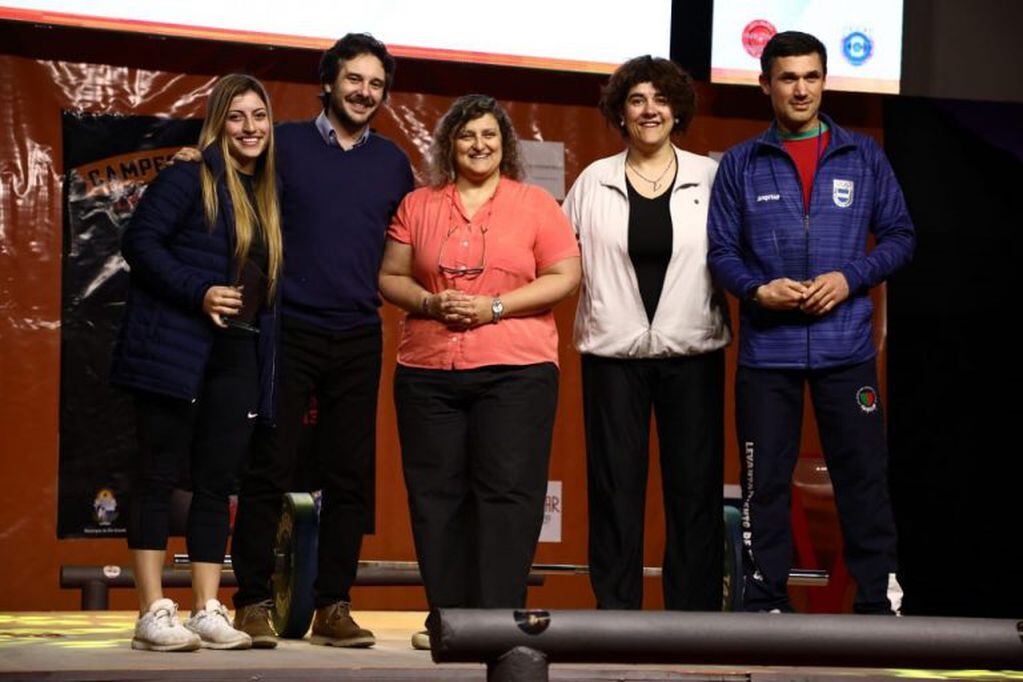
(440, 162)
(350, 46)
(670, 79)
(791, 44)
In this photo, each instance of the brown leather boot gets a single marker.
(334, 626)
(254, 619)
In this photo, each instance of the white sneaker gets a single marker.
(895, 593)
(213, 625)
(160, 630)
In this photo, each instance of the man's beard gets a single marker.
(338, 109)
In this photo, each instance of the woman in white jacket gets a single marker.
(651, 329)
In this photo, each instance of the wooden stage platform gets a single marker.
(95, 645)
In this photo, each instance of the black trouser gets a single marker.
(343, 369)
(213, 433)
(769, 414)
(475, 446)
(687, 395)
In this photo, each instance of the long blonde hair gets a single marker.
(265, 215)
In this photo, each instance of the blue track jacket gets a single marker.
(758, 232)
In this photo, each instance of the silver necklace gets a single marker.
(653, 183)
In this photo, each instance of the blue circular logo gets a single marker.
(857, 48)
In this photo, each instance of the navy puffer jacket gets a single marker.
(166, 337)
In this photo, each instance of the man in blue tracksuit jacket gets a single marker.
(789, 218)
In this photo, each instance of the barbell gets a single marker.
(295, 551)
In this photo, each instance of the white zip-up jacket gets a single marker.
(610, 321)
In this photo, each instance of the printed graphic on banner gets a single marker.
(108, 161)
(552, 507)
(863, 39)
(857, 47)
(104, 508)
(755, 35)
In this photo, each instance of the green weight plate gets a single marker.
(295, 568)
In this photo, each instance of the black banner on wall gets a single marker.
(108, 161)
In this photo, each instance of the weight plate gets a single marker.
(295, 566)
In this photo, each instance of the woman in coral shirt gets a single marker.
(478, 259)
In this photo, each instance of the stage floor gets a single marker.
(95, 645)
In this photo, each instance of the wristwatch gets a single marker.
(497, 309)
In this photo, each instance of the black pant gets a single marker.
(769, 414)
(687, 394)
(475, 446)
(212, 435)
(343, 369)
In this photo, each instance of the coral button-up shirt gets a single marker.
(519, 232)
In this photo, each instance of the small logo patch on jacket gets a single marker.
(842, 193)
(768, 197)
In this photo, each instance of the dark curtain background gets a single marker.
(953, 360)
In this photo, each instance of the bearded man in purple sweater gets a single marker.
(340, 184)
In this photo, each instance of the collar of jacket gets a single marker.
(840, 137)
(214, 159)
(614, 175)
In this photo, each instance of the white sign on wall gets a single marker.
(544, 163)
(552, 505)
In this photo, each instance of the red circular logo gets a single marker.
(755, 36)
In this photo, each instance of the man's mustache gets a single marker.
(360, 99)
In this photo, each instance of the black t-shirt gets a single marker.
(650, 243)
(253, 275)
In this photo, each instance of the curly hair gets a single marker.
(670, 79)
(440, 160)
